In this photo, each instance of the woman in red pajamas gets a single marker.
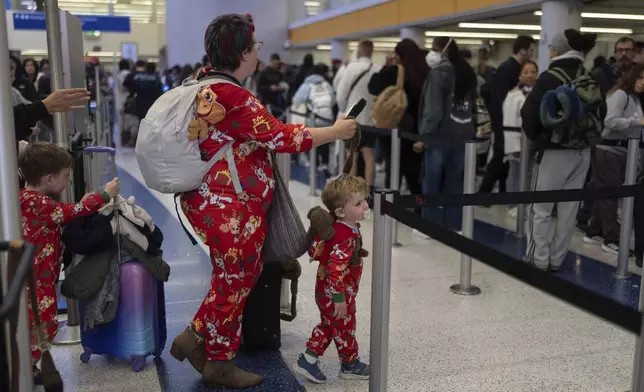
(233, 223)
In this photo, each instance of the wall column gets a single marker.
(340, 50)
(558, 16)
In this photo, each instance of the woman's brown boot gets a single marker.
(188, 345)
(225, 373)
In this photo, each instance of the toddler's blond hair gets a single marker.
(337, 192)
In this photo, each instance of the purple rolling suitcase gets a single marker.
(139, 329)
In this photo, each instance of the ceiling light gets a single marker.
(323, 47)
(498, 26)
(596, 15)
(459, 41)
(311, 3)
(376, 44)
(473, 34)
(508, 26)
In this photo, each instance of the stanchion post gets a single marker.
(68, 332)
(627, 210)
(380, 295)
(98, 113)
(10, 217)
(465, 286)
(313, 171)
(395, 176)
(638, 362)
(524, 167)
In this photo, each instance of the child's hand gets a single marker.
(113, 187)
(340, 310)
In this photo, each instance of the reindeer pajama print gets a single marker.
(336, 281)
(232, 225)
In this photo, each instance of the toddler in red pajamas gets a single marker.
(46, 169)
(337, 281)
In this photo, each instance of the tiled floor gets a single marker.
(510, 338)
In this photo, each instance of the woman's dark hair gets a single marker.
(43, 62)
(628, 80)
(529, 62)
(583, 43)
(227, 38)
(319, 69)
(124, 65)
(413, 61)
(34, 62)
(20, 71)
(464, 75)
(307, 62)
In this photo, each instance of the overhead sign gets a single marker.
(36, 21)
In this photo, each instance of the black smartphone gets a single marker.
(357, 108)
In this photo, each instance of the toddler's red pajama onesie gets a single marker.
(337, 281)
(42, 218)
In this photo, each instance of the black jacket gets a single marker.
(506, 79)
(530, 113)
(268, 77)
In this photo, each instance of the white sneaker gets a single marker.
(512, 212)
(421, 236)
(596, 240)
(611, 248)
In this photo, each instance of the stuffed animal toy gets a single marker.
(208, 112)
(322, 225)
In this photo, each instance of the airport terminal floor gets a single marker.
(509, 338)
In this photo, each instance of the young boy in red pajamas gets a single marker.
(46, 169)
(337, 281)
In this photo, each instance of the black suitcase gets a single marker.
(261, 322)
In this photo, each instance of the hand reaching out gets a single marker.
(66, 99)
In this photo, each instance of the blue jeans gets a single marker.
(444, 167)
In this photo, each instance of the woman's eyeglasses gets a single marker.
(258, 44)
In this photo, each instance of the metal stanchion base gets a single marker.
(471, 290)
(67, 335)
(625, 276)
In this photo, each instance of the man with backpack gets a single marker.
(563, 140)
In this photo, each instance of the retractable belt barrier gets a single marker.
(511, 198)
(616, 313)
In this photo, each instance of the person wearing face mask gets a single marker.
(512, 127)
(561, 163)
(506, 79)
(447, 117)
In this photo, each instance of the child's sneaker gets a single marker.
(357, 371)
(309, 370)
